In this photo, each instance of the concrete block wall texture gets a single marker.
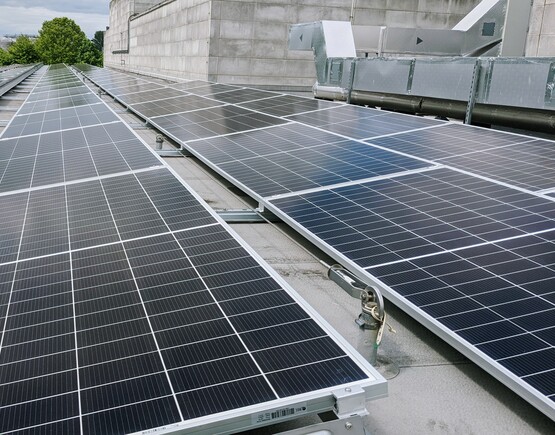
(244, 41)
(541, 33)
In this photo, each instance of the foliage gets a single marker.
(90, 54)
(61, 40)
(23, 51)
(5, 58)
(98, 40)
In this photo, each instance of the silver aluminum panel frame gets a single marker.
(316, 401)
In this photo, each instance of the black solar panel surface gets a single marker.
(214, 121)
(457, 246)
(284, 105)
(294, 157)
(168, 106)
(363, 123)
(125, 305)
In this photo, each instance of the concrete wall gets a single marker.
(541, 33)
(244, 41)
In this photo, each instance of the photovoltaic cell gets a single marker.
(126, 306)
(213, 122)
(50, 158)
(61, 119)
(404, 227)
(58, 103)
(153, 95)
(362, 122)
(517, 160)
(414, 215)
(284, 105)
(169, 106)
(274, 161)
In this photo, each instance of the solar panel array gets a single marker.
(126, 305)
(12, 75)
(454, 223)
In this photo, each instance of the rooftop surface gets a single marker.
(432, 387)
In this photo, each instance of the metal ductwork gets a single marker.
(514, 91)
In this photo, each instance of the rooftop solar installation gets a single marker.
(47, 93)
(213, 121)
(127, 306)
(294, 157)
(460, 244)
(169, 106)
(185, 86)
(148, 95)
(57, 120)
(211, 89)
(242, 95)
(284, 105)
(363, 123)
(513, 159)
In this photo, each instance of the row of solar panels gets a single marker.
(126, 305)
(13, 75)
(454, 223)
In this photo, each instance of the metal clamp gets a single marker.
(372, 317)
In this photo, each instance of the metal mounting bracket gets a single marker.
(350, 401)
(349, 426)
(247, 216)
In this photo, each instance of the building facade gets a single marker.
(245, 42)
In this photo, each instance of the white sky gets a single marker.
(27, 16)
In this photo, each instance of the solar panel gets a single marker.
(212, 122)
(57, 120)
(362, 122)
(211, 89)
(58, 103)
(127, 306)
(513, 159)
(169, 106)
(294, 157)
(467, 255)
(242, 95)
(284, 105)
(145, 96)
(185, 86)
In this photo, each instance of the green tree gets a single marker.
(60, 40)
(98, 40)
(5, 58)
(23, 51)
(90, 54)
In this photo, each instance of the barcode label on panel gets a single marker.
(276, 414)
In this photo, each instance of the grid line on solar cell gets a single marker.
(57, 120)
(56, 104)
(363, 122)
(52, 158)
(449, 140)
(424, 213)
(277, 160)
(492, 296)
(75, 90)
(173, 105)
(143, 97)
(213, 122)
(284, 105)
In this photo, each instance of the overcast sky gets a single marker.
(27, 16)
